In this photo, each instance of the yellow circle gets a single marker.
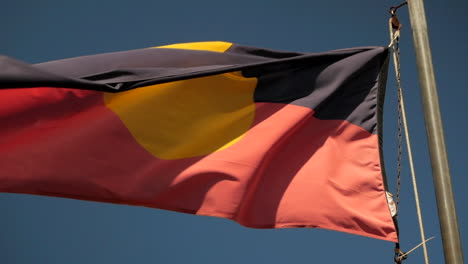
(187, 118)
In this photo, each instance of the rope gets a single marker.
(394, 44)
(396, 49)
(416, 247)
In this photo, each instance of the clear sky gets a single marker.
(36, 229)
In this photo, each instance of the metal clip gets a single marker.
(394, 20)
(393, 9)
(399, 256)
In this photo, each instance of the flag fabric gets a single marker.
(267, 138)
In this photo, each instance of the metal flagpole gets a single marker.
(440, 169)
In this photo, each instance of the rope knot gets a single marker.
(399, 256)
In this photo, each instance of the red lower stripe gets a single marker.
(290, 169)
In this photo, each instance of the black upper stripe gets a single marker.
(341, 84)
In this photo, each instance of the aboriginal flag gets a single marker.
(266, 138)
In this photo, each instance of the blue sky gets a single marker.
(51, 230)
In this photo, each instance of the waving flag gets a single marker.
(269, 139)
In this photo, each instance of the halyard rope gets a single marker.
(394, 45)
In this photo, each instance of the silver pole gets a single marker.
(435, 133)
